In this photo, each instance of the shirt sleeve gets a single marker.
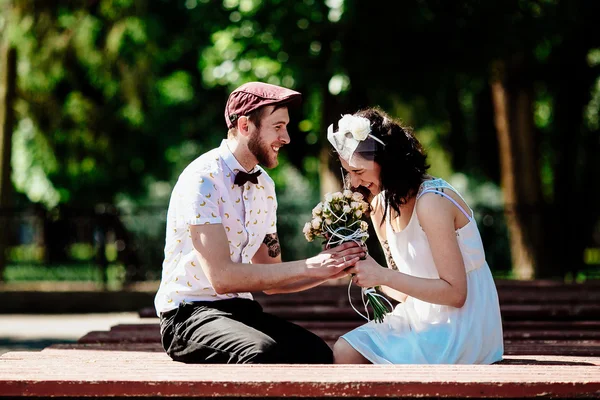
(272, 219)
(199, 201)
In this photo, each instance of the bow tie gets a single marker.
(242, 177)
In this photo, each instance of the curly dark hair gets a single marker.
(402, 160)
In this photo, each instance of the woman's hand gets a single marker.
(368, 273)
(332, 262)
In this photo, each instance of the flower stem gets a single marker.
(379, 309)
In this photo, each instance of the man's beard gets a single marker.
(261, 151)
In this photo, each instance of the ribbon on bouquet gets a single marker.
(365, 293)
(336, 237)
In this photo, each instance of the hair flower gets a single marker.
(359, 127)
(353, 132)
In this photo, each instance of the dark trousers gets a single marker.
(237, 331)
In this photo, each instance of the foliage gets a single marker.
(115, 98)
(66, 273)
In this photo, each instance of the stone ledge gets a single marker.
(127, 370)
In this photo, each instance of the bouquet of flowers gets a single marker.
(339, 219)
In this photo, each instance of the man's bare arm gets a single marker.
(212, 249)
(269, 251)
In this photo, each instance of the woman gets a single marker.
(448, 311)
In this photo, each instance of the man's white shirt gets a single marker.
(205, 193)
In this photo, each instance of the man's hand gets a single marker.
(334, 261)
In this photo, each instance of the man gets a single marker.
(221, 219)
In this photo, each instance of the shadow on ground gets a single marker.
(7, 345)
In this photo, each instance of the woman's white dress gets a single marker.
(417, 332)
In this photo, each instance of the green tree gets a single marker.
(7, 95)
(114, 98)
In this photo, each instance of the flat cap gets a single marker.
(253, 95)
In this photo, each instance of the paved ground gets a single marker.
(34, 332)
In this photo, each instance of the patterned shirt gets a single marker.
(205, 193)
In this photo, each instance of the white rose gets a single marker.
(348, 194)
(309, 236)
(338, 196)
(328, 221)
(317, 210)
(347, 209)
(360, 128)
(345, 123)
(316, 223)
(357, 196)
(329, 197)
(355, 205)
(364, 226)
(358, 213)
(306, 228)
(364, 205)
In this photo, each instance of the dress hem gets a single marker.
(360, 352)
(374, 363)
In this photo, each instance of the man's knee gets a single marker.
(262, 351)
(321, 353)
(309, 349)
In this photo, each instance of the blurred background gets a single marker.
(104, 102)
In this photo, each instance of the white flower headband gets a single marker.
(353, 131)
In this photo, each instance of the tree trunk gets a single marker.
(330, 174)
(512, 96)
(8, 77)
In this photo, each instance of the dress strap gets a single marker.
(449, 198)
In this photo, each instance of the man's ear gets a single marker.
(243, 126)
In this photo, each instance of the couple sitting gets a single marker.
(222, 243)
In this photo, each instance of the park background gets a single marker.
(103, 103)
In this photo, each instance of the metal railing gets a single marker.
(105, 238)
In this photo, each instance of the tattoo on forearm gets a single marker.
(272, 242)
(388, 255)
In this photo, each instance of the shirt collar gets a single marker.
(232, 163)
